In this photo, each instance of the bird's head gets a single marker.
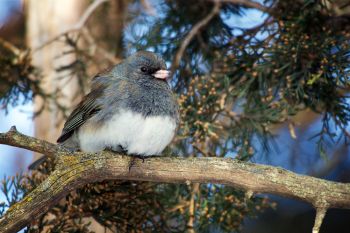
(147, 65)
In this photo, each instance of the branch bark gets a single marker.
(76, 169)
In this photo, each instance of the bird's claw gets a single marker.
(133, 159)
(141, 157)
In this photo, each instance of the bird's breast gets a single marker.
(153, 102)
(134, 132)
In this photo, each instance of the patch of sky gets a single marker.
(300, 155)
(7, 7)
(21, 117)
(249, 18)
(13, 159)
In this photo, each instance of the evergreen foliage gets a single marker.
(233, 85)
(16, 76)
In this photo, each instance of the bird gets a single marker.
(130, 108)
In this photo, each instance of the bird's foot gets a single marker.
(133, 160)
(140, 157)
(119, 150)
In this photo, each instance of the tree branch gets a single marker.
(196, 28)
(15, 138)
(76, 169)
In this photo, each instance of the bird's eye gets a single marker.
(144, 69)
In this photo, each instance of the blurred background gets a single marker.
(263, 81)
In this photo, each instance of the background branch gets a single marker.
(10, 47)
(78, 26)
(196, 28)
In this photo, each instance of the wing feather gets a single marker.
(85, 110)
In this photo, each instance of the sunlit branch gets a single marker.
(76, 169)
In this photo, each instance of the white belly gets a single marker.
(137, 134)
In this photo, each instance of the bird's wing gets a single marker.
(85, 109)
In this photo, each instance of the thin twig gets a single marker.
(248, 195)
(196, 28)
(205, 154)
(192, 208)
(76, 27)
(320, 214)
(109, 56)
(10, 47)
(88, 12)
(148, 7)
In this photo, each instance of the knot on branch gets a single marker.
(13, 129)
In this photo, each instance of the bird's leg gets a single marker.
(119, 150)
(131, 163)
(124, 151)
(133, 159)
(140, 157)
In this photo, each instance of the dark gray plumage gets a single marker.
(130, 107)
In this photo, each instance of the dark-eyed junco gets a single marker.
(130, 108)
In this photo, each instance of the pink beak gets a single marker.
(162, 74)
